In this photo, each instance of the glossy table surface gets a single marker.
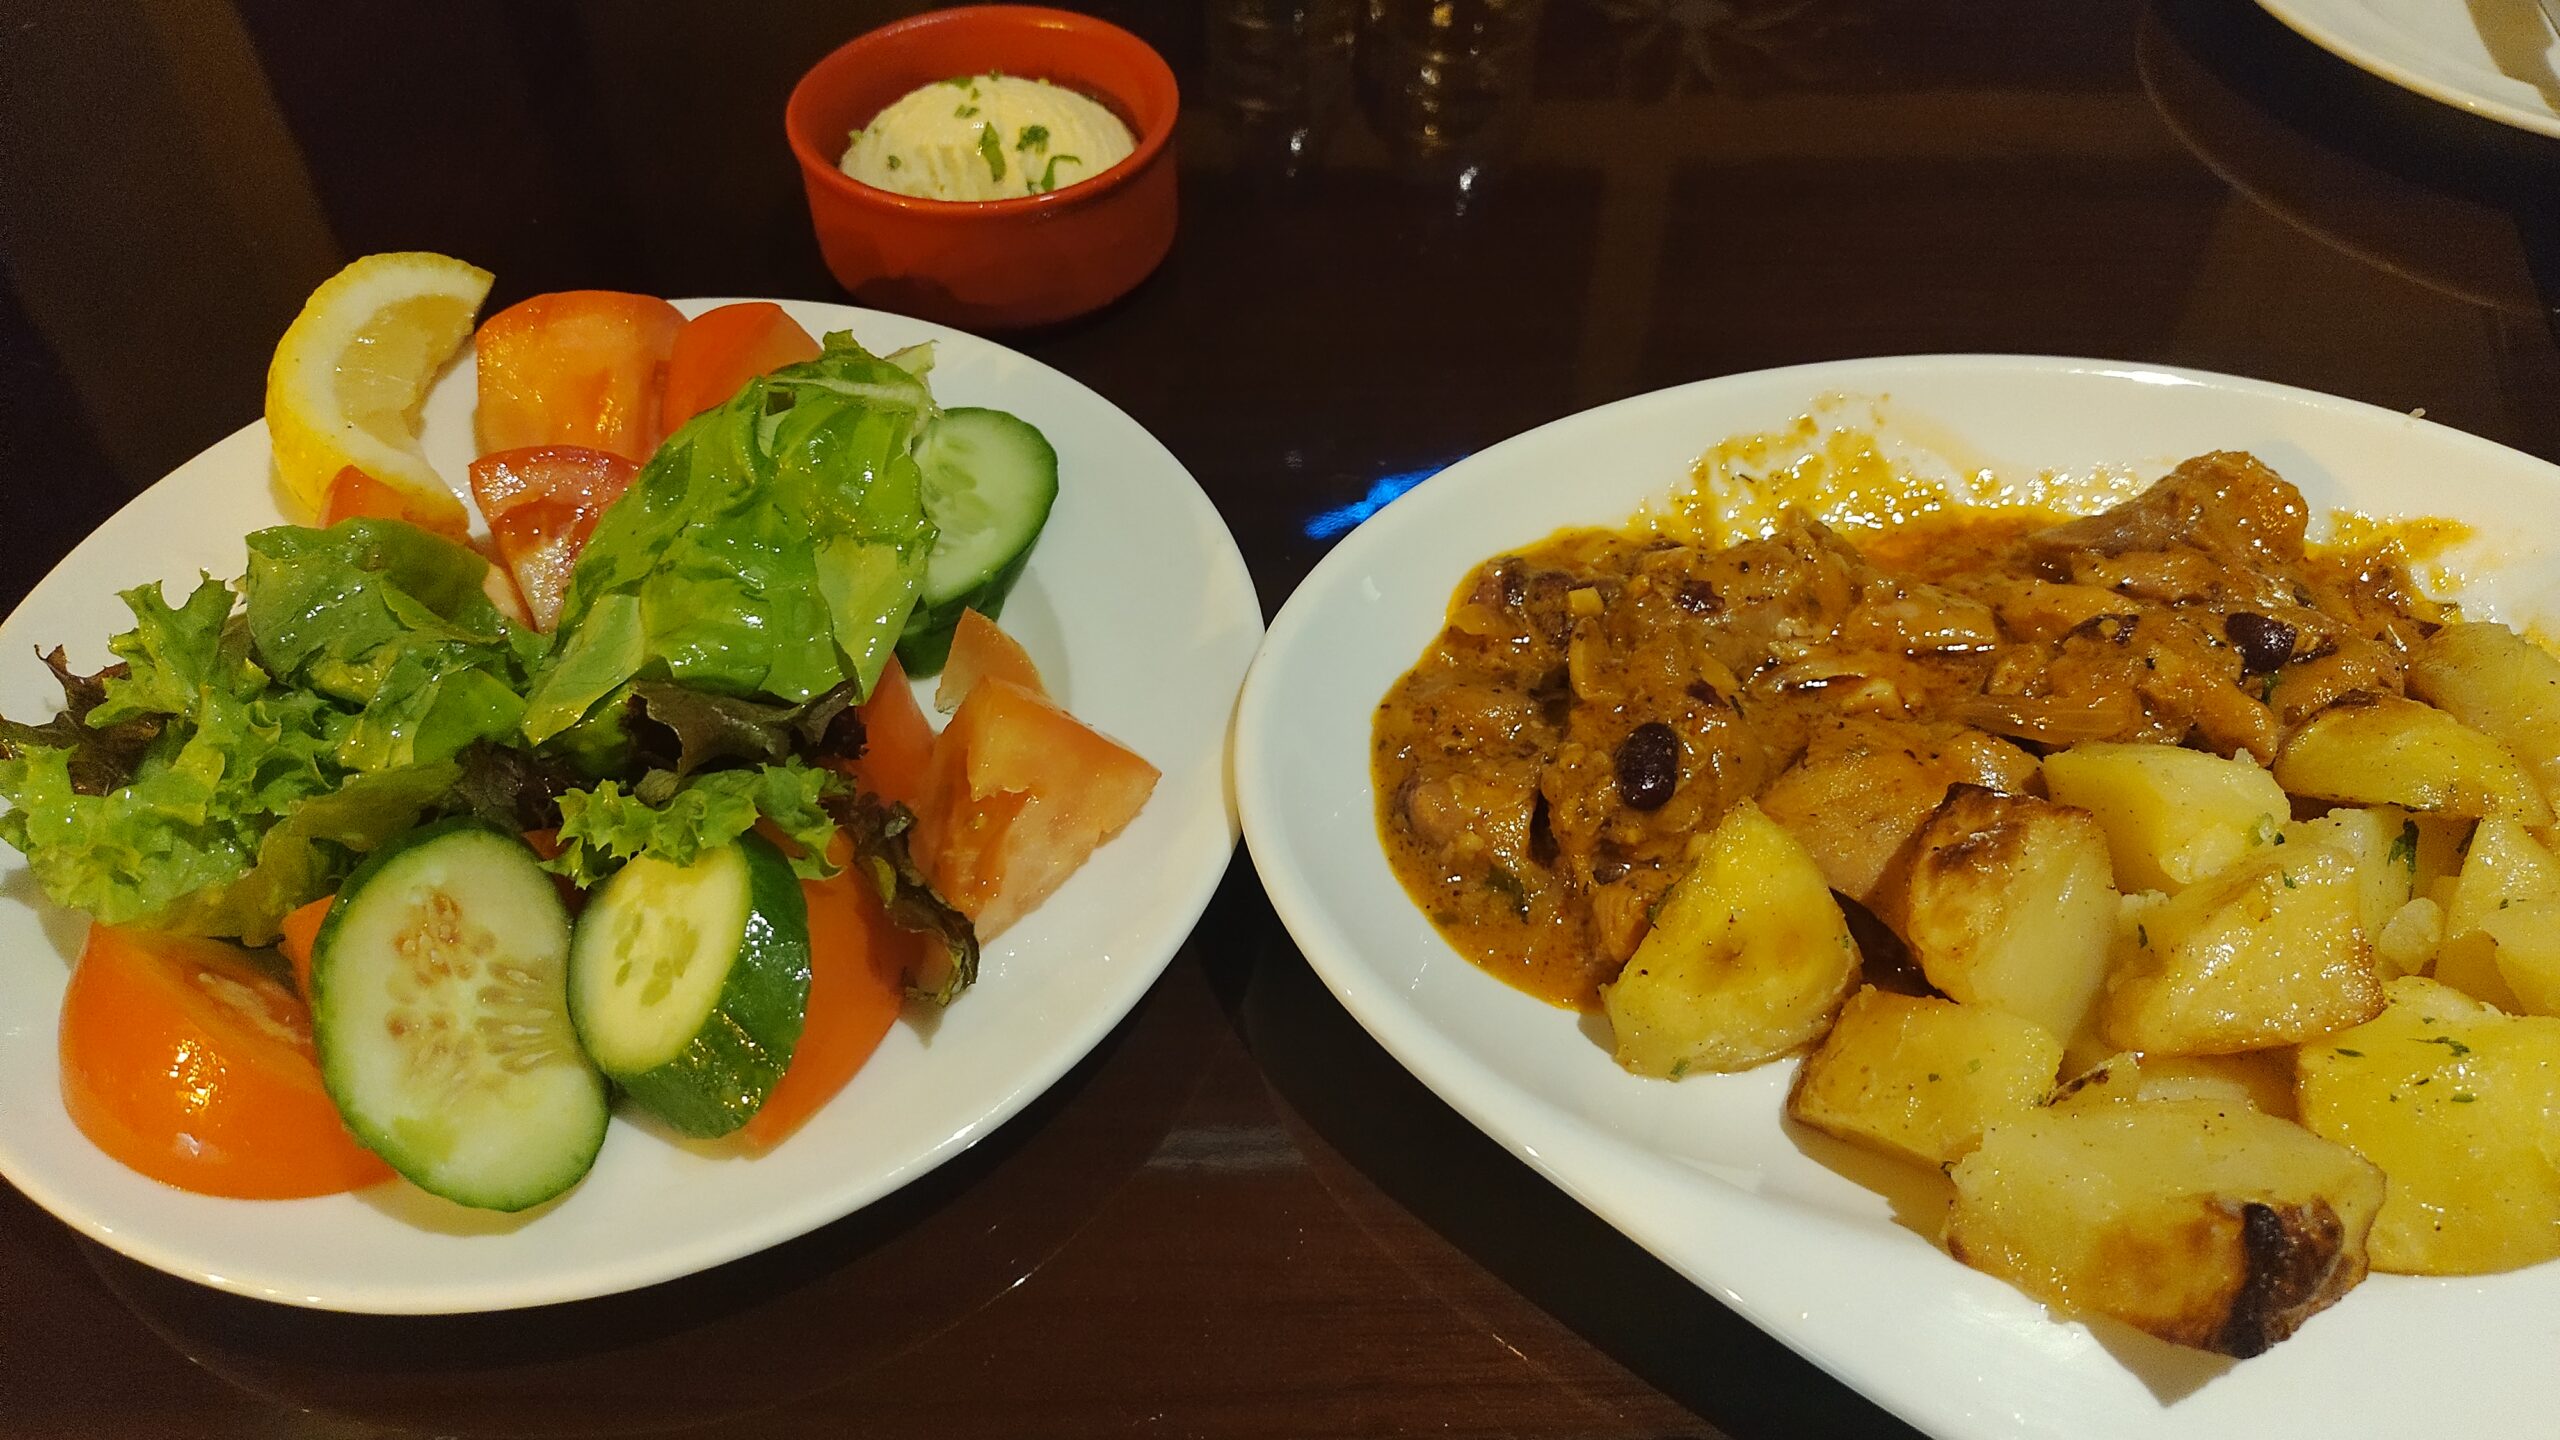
(1238, 1217)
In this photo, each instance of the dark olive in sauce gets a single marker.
(2264, 644)
(1648, 766)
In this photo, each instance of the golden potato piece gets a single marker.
(2505, 866)
(2385, 750)
(1918, 1078)
(2171, 816)
(2267, 954)
(2409, 939)
(2528, 955)
(1865, 785)
(2259, 1079)
(2199, 1221)
(2010, 901)
(2498, 682)
(2383, 844)
(2460, 1106)
(1748, 959)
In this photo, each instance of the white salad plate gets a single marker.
(1142, 617)
(2498, 59)
(1703, 1172)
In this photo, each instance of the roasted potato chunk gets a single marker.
(2383, 844)
(2409, 939)
(2528, 956)
(2386, 750)
(2505, 867)
(2498, 682)
(2202, 1222)
(1865, 785)
(2259, 1079)
(2171, 816)
(1918, 1078)
(1749, 958)
(2010, 901)
(2460, 1106)
(2267, 954)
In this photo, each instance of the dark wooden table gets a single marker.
(1238, 1217)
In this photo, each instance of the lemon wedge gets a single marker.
(353, 368)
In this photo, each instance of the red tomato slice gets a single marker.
(185, 1061)
(979, 649)
(897, 741)
(719, 351)
(357, 495)
(541, 504)
(583, 367)
(1021, 793)
(858, 963)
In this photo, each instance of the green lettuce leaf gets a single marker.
(771, 550)
(303, 856)
(390, 620)
(603, 828)
(233, 766)
(170, 656)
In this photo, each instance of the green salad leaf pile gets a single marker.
(247, 749)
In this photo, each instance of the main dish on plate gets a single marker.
(2184, 890)
(632, 797)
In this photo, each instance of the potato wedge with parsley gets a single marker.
(1918, 1078)
(2388, 750)
(2460, 1106)
(2268, 953)
(2172, 817)
(2496, 681)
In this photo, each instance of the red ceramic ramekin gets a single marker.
(992, 264)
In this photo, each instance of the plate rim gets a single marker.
(2318, 22)
(1531, 1127)
(1224, 559)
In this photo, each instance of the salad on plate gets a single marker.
(414, 851)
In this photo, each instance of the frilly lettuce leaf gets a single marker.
(608, 826)
(233, 766)
(770, 550)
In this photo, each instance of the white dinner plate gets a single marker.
(1142, 617)
(2497, 59)
(1702, 1172)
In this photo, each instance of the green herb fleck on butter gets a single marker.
(1049, 176)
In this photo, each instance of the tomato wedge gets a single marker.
(979, 649)
(185, 1061)
(720, 350)
(582, 367)
(542, 502)
(858, 963)
(897, 741)
(1021, 792)
(300, 931)
(357, 495)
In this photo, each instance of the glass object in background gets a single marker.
(1279, 71)
(1446, 82)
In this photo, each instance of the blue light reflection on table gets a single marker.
(1334, 523)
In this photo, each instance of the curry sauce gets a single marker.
(1599, 698)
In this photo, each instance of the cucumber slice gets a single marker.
(989, 480)
(439, 1001)
(689, 983)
